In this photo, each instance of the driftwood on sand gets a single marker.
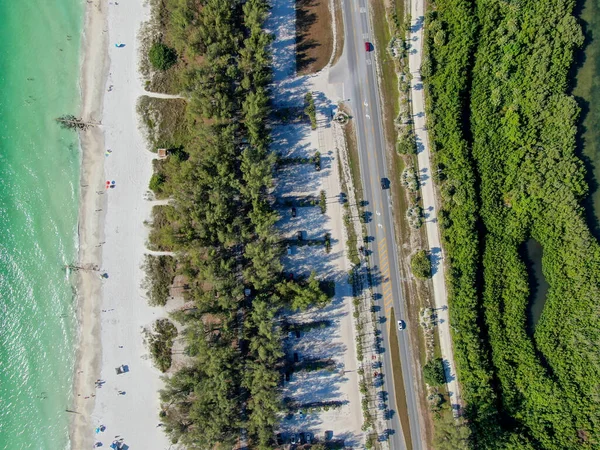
(71, 122)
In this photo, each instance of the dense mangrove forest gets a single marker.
(503, 129)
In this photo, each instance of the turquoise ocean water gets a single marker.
(39, 191)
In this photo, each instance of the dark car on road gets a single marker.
(385, 183)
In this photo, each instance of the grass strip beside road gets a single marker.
(352, 146)
(339, 31)
(399, 381)
(351, 243)
(389, 80)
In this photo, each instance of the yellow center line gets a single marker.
(377, 199)
(360, 104)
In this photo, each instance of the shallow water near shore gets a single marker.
(39, 191)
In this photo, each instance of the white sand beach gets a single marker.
(113, 310)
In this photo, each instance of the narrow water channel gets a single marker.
(587, 92)
(537, 284)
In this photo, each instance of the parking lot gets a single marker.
(320, 384)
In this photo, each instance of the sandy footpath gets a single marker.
(113, 311)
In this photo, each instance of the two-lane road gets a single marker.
(360, 86)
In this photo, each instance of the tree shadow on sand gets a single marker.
(305, 18)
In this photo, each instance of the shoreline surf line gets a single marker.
(93, 75)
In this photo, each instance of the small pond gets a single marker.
(537, 283)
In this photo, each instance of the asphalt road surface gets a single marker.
(362, 96)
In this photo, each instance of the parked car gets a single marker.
(289, 250)
(385, 183)
(308, 436)
(294, 439)
(401, 325)
(293, 211)
(367, 46)
(300, 235)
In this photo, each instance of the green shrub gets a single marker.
(421, 265)
(161, 56)
(410, 179)
(323, 202)
(433, 372)
(160, 271)
(414, 214)
(316, 159)
(310, 110)
(156, 183)
(407, 144)
(161, 343)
